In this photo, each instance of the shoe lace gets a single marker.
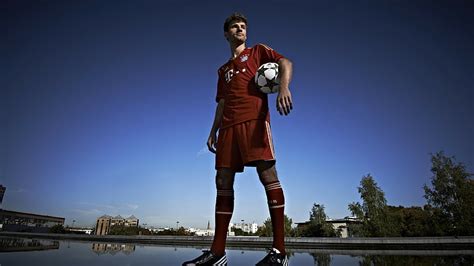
(206, 256)
(271, 256)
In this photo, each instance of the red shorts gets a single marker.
(242, 144)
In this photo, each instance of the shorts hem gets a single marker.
(251, 163)
(235, 169)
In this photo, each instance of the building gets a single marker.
(104, 223)
(248, 228)
(14, 221)
(27, 222)
(203, 232)
(341, 225)
(76, 230)
(25, 244)
(112, 248)
(338, 225)
(117, 220)
(131, 221)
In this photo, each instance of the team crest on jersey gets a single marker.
(244, 58)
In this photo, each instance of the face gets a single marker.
(237, 32)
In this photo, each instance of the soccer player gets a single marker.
(242, 120)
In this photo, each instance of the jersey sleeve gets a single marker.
(267, 54)
(220, 86)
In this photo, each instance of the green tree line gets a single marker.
(449, 209)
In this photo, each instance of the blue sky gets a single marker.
(106, 105)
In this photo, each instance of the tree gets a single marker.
(237, 231)
(57, 229)
(266, 229)
(372, 211)
(240, 232)
(321, 259)
(317, 223)
(451, 195)
(317, 214)
(181, 231)
(128, 230)
(356, 229)
(123, 230)
(289, 226)
(409, 222)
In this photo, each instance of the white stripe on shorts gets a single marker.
(270, 139)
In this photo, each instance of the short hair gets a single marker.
(235, 17)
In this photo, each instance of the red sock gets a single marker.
(224, 210)
(276, 204)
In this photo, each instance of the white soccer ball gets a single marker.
(267, 79)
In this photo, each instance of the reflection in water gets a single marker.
(112, 248)
(25, 244)
(398, 257)
(116, 254)
(415, 260)
(321, 259)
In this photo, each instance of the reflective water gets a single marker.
(19, 252)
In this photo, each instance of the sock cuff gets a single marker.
(277, 206)
(272, 186)
(224, 213)
(225, 201)
(225, 192)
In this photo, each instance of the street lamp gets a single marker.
(73, 221)
(177, 225)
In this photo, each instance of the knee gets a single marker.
(224, 180)
(268, 175)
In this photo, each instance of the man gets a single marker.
(242, 119)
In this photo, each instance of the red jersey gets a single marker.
(236, 85)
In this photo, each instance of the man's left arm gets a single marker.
(284, 102)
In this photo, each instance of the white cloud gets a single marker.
(88, 208)
(107, 207)
(17, 190)
(88, 212)
(132, 206)
(160, 221)
(203, 151)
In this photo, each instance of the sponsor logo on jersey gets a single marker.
(230, 74)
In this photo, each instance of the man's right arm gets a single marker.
(211, 141)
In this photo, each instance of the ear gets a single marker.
(226, 35)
